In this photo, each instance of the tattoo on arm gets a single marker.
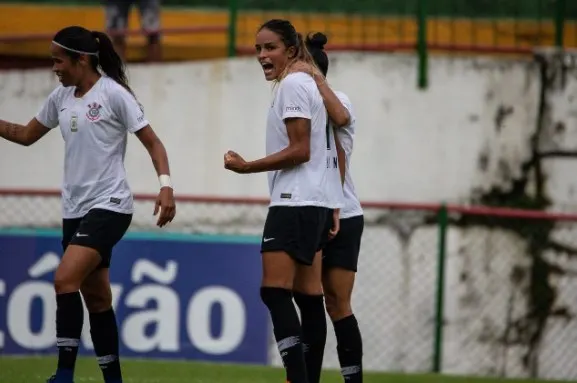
(11, 132)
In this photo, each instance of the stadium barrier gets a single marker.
(512, 26)
(450, 289)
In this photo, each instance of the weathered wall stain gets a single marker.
(502, 113)
(528, 192)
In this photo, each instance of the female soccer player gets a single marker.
(341, 254)
(304, 185)
(95, 112)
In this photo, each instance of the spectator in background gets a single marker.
(117, 12)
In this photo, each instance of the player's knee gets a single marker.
(97, 302)
(65, 282)
(308, 286)
(277, 281)
(330, 304)
(279, 270)
(337, 307)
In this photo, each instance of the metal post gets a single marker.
(443, 221)
(559, 23)
(422, 51)
(232, 26)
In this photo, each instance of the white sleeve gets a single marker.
(48, 114)
(294, 98)
(128, 110)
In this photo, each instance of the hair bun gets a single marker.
(317, 40)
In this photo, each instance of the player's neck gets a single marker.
(85, 85)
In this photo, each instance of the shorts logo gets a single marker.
(93, 112)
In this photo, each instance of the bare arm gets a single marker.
(297, 152)
(24, 135)
(338, 114)
(155, 148)
(165, 201)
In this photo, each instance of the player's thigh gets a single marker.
(101, 230)
(69, 229)
(278, 248)
(278, 269)
(76, 264)
(308, 278)
(316, 224)
(340, 260)
(96, 291)
(290, 239)
(338, 284)
(325, 229)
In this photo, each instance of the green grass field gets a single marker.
(36, 370)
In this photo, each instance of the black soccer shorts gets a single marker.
(295, 230)
(343, 250)
(99, 229)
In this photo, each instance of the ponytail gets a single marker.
(109, 61)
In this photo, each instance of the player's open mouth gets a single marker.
(267, 68)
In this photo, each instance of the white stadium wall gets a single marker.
(483, 128)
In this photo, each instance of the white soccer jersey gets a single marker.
(316, 182)
(335, 186)
(346, 134)
(94, 128)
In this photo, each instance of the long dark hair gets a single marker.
(77, 40)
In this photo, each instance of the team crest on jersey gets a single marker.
(93, 111)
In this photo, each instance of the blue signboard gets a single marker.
(184, 299)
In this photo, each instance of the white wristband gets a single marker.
(165, 181)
